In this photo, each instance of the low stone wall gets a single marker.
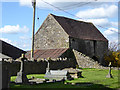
(86, 62)
(38, 67)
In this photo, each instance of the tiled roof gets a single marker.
(79, 29)
(45, 53)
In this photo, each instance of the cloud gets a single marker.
(25, 3)
(111, 34)
(110, 31)
(25, 37)
(61, 3)
(114, 24)
(9, 29)
(63, 0)
(102, 12)
(101, 21)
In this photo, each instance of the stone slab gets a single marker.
(56, 74)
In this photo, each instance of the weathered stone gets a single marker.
(52, 35)
(74, 73)
(48, 68)
(109, 74)
(56, 74)
(85, 61)
(21, 76)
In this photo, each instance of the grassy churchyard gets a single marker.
(93, 78)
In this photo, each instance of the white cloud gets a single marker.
(101, 21)
(114, 24)
(25, 3)
(25, 37)
(102, 12)
(64, 0)
(62, 3)
(14, 29)
(110, 31)
(111, 34)
(25, 45)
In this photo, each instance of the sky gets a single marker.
(16, 17)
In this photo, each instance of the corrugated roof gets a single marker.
(79, 29)
(45, 53)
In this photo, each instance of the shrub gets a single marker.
(113, 57)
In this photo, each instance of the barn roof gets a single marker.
(79, 29)
(10, 50)
(45, 53)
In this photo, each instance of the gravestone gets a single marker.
(21, 76)
(109, 74)
(48, 68)
(74, 73)
(57, 74)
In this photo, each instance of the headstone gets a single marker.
(109, 74)
(48, 68)
(21, 76)
(55, 74)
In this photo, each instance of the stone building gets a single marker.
(61, 32)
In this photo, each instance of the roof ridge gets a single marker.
(73, 28)
(69, 18)
(77, 29)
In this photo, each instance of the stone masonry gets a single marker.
(60, 32)
(51, 35)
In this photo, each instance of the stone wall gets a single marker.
(83, 46)
(91, 48)
(100, 49)
(38, 67)
(51, 35)
(85, 61)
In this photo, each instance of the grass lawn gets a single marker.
(93, 78)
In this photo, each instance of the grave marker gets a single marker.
(21, 76)
(57, 74)
(109, 74)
